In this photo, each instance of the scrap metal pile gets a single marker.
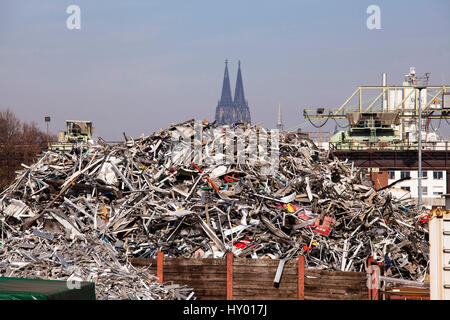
(53, 255)
(141, 196)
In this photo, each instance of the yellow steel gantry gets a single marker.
(440, 94)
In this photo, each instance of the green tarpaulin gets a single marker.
(37, 289)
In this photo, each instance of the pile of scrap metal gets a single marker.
(156, 194)
(54, 255)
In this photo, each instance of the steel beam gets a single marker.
(394, 159)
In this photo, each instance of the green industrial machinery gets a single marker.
(387, 117)
(77, 132)
(369, 130)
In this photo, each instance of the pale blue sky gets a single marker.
(136, 66)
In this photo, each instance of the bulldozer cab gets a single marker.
(78, 130)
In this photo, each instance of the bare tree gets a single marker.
(20, 142)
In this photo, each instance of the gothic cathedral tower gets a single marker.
(232, 111)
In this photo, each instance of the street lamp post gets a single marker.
(47, 121)
(420, 154)
(420, 83)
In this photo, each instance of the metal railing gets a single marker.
(426, 146)
(409, 92)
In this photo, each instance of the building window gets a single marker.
(438, 175)
(391, 175)
(424, 174)
(438, 191)
(424, 191)
(405, 174)
(406, 189)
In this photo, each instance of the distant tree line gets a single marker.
(20, 142)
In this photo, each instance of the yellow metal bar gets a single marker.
(404, 99)
(342, 106)
(381, 94)
(402, 116)
(322, 116)
(438, 87)
(416, 105)
(388, 100)
(432, 99)
(404, 87)
(360, 99)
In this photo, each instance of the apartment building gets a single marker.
(434, 185)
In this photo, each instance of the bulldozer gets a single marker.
(77, 132)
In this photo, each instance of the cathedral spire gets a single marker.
(239, 97)
(226, 99)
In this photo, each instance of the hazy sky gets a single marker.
(137, 66)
